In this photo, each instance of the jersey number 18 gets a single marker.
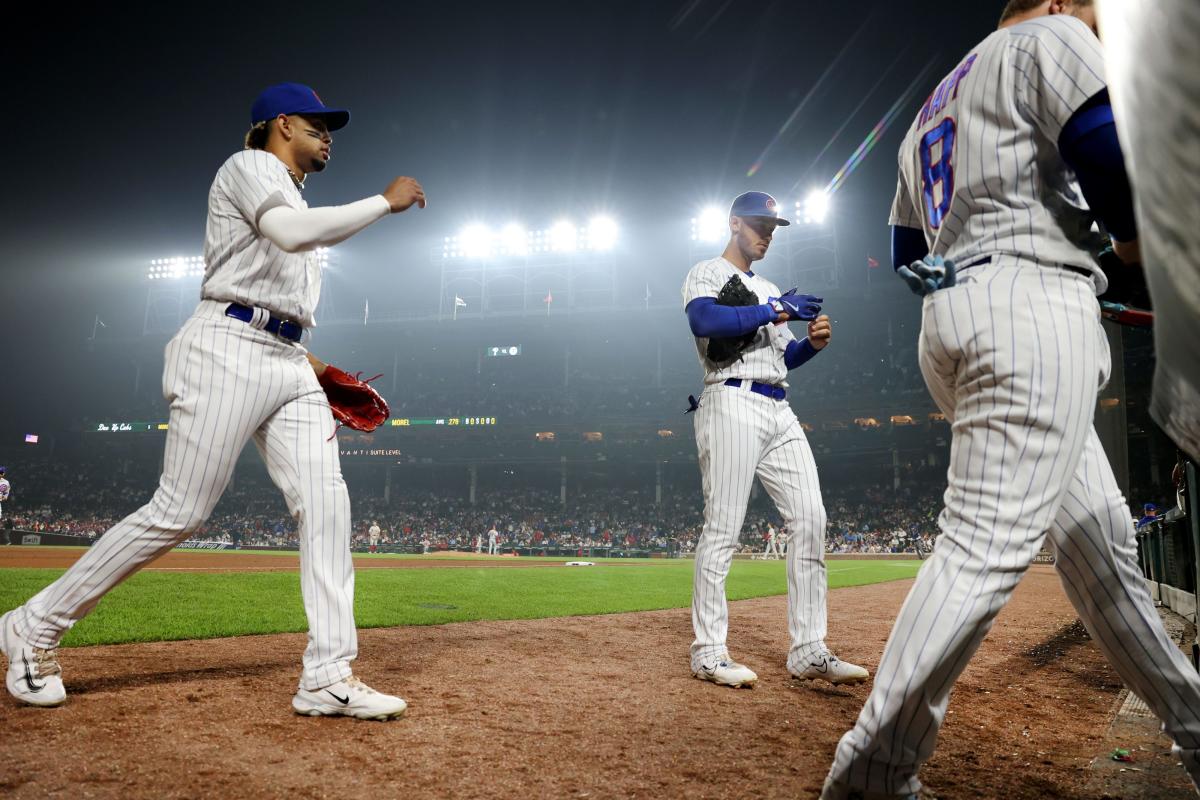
(938, 172)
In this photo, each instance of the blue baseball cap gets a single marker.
(1149, 507)
(296, 98)
(757, 204)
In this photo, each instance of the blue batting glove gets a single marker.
(805, 307)
(928, 275)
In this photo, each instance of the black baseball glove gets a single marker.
(1126, 282)
(727, 348)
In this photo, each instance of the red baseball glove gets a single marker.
(354, 403)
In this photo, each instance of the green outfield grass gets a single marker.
(156, 606)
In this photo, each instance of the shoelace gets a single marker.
(47, 662)
(354, 683)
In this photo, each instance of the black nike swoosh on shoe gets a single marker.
(822, 667)
(33, 687)
(343, 700)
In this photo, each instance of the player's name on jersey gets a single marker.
(408, 422)
(128, 427)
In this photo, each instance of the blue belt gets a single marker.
(282, 328)
(765, 389)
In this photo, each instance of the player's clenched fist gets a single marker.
(820, 331)
(402, 193)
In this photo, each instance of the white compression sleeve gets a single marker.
(297, 229)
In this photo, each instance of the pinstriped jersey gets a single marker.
(763, 359)
(240, 264)
(5, 488)
(980, 171)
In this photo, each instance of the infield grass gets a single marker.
(156, 606)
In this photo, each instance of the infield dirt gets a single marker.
(591, 707)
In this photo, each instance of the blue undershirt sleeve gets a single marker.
(908, 245)
(798, 353)
(709, 319)
(1089, 146)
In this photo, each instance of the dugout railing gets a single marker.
(1167, 553)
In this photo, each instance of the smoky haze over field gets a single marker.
(523, 112)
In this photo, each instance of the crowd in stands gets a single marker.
(55, 497)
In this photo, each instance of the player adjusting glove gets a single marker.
(354, 403)
(803, 307)
(735, 292)
(928, 275)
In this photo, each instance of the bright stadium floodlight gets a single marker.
(475, 241)
(815, 208)
(602, 234)
(710, 225)
(564, 237)
(514, 240)
(176, 268)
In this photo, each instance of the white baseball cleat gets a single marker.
(34, 676)
(726, 673)
(826, 666)
(349, 698)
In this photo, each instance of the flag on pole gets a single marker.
(548, 300)
(647, 296)
(459, 302)
(101, 322)
(872, 263)
(366, 310)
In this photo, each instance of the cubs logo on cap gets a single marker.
(757, 204)
(296, 98)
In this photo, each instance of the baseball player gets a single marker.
(5, 489)
(493, 542)
(235, 372)
(373, 536)
(744, 427)
(772, 552)
(478, 543)
(1154, 70)
(1012, 351)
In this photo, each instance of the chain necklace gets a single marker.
(298, 181)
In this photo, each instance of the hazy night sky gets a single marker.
(118, 120)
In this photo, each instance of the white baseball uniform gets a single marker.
(1154, 71)
(479, 543)
(229, 382)
(493, 542)
(5, 490)
(373, 536)
(772, 550)
(1014, 355)
(741, 434)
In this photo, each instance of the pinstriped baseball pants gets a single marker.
(1015, 356)
(228, 383)
(740, 434)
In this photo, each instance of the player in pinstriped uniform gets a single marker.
(1012, 351)
(1154, 69)
(237, 372)
(744, 428)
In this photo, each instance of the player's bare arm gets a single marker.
(317, 364)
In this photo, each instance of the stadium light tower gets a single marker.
(564, 237)
(815, 207)
(710, 225)
(601, 234)
(475, 241)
